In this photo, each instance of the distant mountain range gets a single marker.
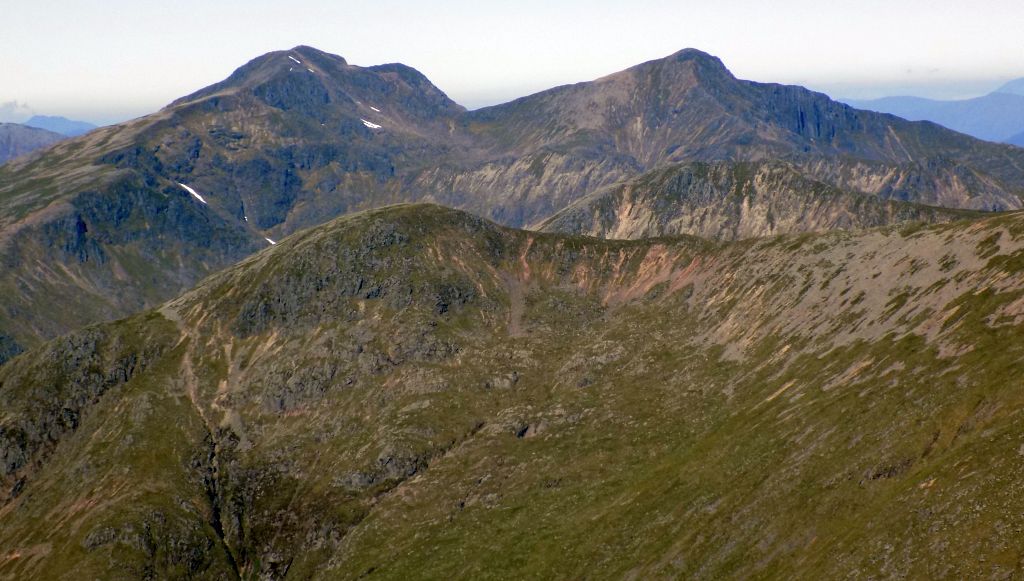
(17, 140)
(998, 116)
(62, 125)
(127, 216)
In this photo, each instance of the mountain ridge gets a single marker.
(110, 219)
(413, 382)
(731, 201)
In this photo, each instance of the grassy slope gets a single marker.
(415, 393)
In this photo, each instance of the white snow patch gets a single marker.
(374, 108)
(369, 124)
(269, 240)
(297, 61)
(193, 192)
(310, 70)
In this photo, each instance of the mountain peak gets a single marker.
(699, 57)
(700, 61)
(694, 54)
(62, 125)
(317, 54)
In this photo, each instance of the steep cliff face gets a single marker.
(689, 107)
(107, 252)
(731, 201)
(934, 182)
(416, 391)
(295, 138)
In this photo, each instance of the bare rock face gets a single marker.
(731, 201)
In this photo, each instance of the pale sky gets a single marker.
(112, 60)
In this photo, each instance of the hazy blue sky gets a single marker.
(110, 60)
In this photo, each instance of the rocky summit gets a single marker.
(415, 392)
(128, 216)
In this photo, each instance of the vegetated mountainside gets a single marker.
(16, 140)
(416, 392)
(993, 117)
(731, 201)
(130, 215)
(62, 125)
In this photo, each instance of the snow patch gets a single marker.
(297, 61)
(193, 192)
(270, 241)
(310, 70)
(369, 124)
(374, 108)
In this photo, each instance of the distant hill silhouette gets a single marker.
(62, 125)
(998, 116)
(17, 140)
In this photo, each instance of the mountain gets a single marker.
(108, 224)
(1014, 87)
(127, 216)
(17, 140)
(62, 125)
(689, 107)
(731, 201)
(994, 117)
(414, 392)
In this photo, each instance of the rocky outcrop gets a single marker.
(45, 397)
(731, 201)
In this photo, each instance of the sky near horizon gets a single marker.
(111, 61)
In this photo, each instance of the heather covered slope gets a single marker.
(414, 392)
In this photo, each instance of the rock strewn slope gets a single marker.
(418, 392)
(731, 201)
